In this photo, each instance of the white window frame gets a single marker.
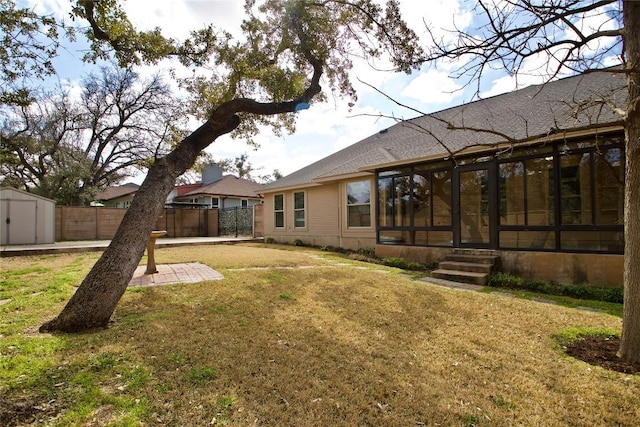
(279, 211)
(297, 210)
(350, 205)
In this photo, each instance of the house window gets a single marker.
(575, 189)
(298, 209)
(215, 202)
(359, 204)
(414, 205)
(245, 203)
(278, 210)
(527, 191)
(609, 186)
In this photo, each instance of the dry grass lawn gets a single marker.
(300, 338)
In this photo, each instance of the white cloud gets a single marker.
(433, 87)
(60, 9)
(438, 15)
(321, 130)
(507, 83)
(178, 18)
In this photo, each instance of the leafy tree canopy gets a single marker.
(28, 43)
(283, 43)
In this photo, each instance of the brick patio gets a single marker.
(174, 273)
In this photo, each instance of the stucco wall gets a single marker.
(87, 223)
(90, 223)
(595, 269)
(566, 268)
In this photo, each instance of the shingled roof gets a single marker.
(539, 111)
(228, 186)
(110, 193)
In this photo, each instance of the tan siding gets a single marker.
(323, 210)
(325, 219)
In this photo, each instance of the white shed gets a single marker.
(26, 219)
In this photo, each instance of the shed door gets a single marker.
(21, 222)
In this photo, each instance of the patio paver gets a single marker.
(167, 274)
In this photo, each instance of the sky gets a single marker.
(328, 127)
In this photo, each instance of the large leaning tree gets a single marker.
(565, 37)
(288, 48)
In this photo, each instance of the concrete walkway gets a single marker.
(453, 285)
(101, 245)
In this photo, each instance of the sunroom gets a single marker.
(566, 196)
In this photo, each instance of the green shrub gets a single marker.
(270, 240)
(505, 280)
(299, 242)
(359, 257)
(368, 252)
(403, 264)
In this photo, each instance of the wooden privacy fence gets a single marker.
(100, 223)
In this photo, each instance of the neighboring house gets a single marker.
(218, 191)
(118, 196)
(214, 191)
(536, 175)
(179, 191)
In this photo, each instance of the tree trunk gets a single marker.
(97, 297)
(630, 343)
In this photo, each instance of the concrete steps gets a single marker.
(467, 266)
(474, 267)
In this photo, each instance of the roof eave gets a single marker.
(288, 188)
(479, 149)
(217, 195)
(332, 178)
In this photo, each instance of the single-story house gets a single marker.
(218, 191)
(119, 196)
(536, 176)
(214, 191)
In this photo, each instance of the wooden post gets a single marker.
(151, 246)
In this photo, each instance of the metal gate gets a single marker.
(235, 221)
